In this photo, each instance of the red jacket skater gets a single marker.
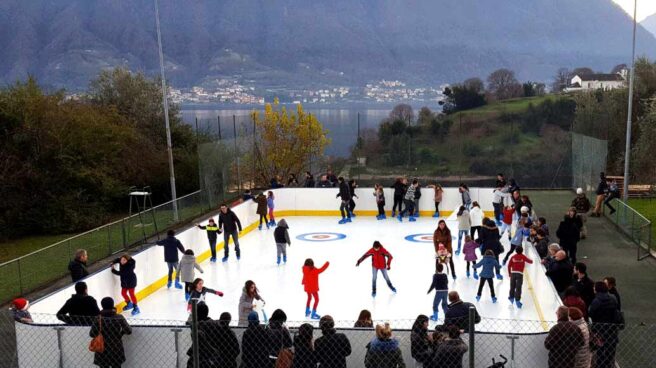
(311, 277)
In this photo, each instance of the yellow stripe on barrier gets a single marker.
(536, 303)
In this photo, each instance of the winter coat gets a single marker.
(417, 193)
(602, 187)
(78, 270)
(489, 264)
(279, 337)
(200, 295)
(542, 247)
(410, 193)
(576, 302)
(466, 198)
(476, 216)
(469, 250)
(79, 310)
(246, 306)
(311, 277)
(212, 231)
(440, 283)
(563, 342)
(261, 201)
(114, 326)
(464, 222)
(217, 346)
(270, 204)
(517, 262)
(613, 291)
(378, 258)
(332, 349)
(304, 356)
(399, 189)
(420, 347)
(508, 215)
(583, 355)
(126, 273)
(585, 287)
(581, 203)
(344, 192)
(605, 317)
(449, 353)
(458, 314)
(568, 233)
(255, 347)
(324, 184)
(280, 234)
(560, 273)
(489, 239)
(499, 196)
(444, 237)
(437, 195)
(380, 197)
(229, 221)
(171, 248)
(383, 354)
(187, 265)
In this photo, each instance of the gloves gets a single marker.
(388, 268)
(219, 293)
(357, 264)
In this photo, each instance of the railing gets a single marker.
(31, 271)
(636, 226)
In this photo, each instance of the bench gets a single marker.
(640, 190)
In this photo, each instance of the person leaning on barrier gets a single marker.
(255, 344)
(78, 266)
(450, 350)
(304, 354)
(420, 340)
(279, 336)
(80, 309)
(114, 326)
(458, 312)
(563, 341)
(332, 348)
(582, 358)
(217, 343)
(383, 351)
(560, 272)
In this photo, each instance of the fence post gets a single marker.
(59, 345)
(176, 339)
(20, 277)
(125, 240)
(472, 331)
(194, 332)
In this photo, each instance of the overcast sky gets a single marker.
(645, 7)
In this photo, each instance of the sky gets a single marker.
(645, 7)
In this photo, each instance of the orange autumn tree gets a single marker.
(286, 142)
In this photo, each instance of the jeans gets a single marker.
(409, 207)
(441, 297)
(497, 211)
(213, 247)
(482, 283)
(374, 276)
(351, 205)
(174, 266)
(226, 240)
(344, 209)
(516, 281)
(461, 234)
(281, 249)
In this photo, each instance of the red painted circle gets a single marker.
(320, 236)
(426, 237)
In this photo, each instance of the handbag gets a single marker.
(285, 356)
(97, 344)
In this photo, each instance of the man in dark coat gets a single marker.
(332, 348)
(569, 233)
(231, 225)
(171, 248)
(606, 322)
(563, 341)
(78, 266)
(114, 326)
(255, 344)
(217, 343)
(80, 309)
(345, 195)
(583, 284)
(560, 272)
(458, 312)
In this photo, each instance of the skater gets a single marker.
(464, 225)
(437, 198)
(281, 236)
(249, 294)
(487, 264)
(187, 266)
(198, 291)
(380, 201)
(171, 248)
(443, 256)
(231, 225)
(345, 195)
(476, 218)
(381, 260)
(352, 186)
(490, 241)
(400, 186)
(500, 195)
(507, 220)
(466, 197)
(516, 272)
(443, 235)
(409, 202)
(128, 281)
(415, 211)
(517, 239)
(261, 210)
(212, 231)
(469, 250)
(441, 286)
(311, 286)
(271, 206)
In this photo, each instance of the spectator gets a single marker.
(572, 299)
(569, 232)
(542, 243)
(420, 341)
(450, 351)
(228, 345)
(582, 358)
(231, 225)
(304, 355)
(602, 188)
(552, 249)
(275, 182)
(78, 266)
(279, 336)
(584, 285)
(606, 322)
(171, 248)
(292, 182)
(383, 351)
(113, 327)
(255, 344)
(458, 312)
(332, 348)
(582, 205)
(19, 308)
(249, 294)
(247, 196)
(309, 180)
(364, 320)
(560, 272)
(542, 224)
(80, 309)
(332, 178)
(324, 183)
(513, 186)
(563, 341)
(612, 290)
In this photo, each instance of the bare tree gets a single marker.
(561, 80)
(503, 84)
(474, 85)
(618, 68)
(402, 112)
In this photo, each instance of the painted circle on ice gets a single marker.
(321, 237)
(422, 238)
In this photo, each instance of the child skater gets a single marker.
(469, 250)
(311, 285)
(261, 210)
(212, 231)
(381, 260)
(271, 205)
(187, 266)
(128, 281)
(198, 292)
(476, 216)
(443, 256)
(516, 271)
(351, 206)
(380, 201)
(506, 223)
(488, 263)
(464, 224)
(441, 286)
(281, 236)
(517, 239)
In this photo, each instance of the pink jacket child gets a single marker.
(469, 250)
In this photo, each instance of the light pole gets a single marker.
(627, 152)
(165, 101)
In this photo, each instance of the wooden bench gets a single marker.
(640, 190)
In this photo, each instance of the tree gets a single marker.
(286, 142)
(533, 89)
(460, 97)
(474, 85)
(561, 80)
(643, 153)
(425, 116)
(584, 70)
(402, 112)
(618, 68)
(503, 84)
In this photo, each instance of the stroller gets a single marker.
(496, 364)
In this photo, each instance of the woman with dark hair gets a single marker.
(443, 235)
(279, 336)
(364, 320)
(128, 281)
(399, 186)
(198, 291)
(255, 344)
(450, 351)
(304, 355)
(420, 341)
(112, 327)
(606, 323)
(249, 294)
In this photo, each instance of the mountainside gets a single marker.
(649, 24)
(295, 43)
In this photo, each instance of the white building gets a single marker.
(598, 81)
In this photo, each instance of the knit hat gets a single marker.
(253, 318)
(524, 209)
(107, 303)
(21, 304)
(579, 191)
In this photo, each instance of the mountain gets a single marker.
(293, 43)
(649, 24)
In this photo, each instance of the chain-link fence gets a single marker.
(636, 226)
(223, 342)
(588, 160)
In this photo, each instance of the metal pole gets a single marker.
(234, 130)
(194, 332)
(472, 340)
(176, 339)
(627, 151)
(197, 130)
(165, 101)
(218, 122)
(59, 345)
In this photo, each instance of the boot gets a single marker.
(499, 277)
(412, 219)
(284, 259)
(307, 311)
(373, 293)
(273, 222)
(494, 299)
(478, 298)
(187, 296)
(475, 275)
(467, 274)
(128, 306)
(259, 227)
(434, 316)
(342, 221)
(348, 219)
(519, 304)
(213, 259)
(392, 288)
(168, 285)
(436, 215)
(178, 285)
(399, 218)
(315, 315)
(512, 300)
(224, 259)
(136, 311)
(393, 213)
(383, 216)
(278, 261)
(352, 214)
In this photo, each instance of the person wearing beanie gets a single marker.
(114, 326)
(332, 348)
(582, 205)
(19, 309)
(80, 309)
(255, 344)
(281, 236)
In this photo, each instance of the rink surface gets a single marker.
(346, 289)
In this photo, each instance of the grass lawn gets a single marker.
(647, 208)
(508, 106)
(18, 247)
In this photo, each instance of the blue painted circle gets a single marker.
(320, 237)
(423, 238)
